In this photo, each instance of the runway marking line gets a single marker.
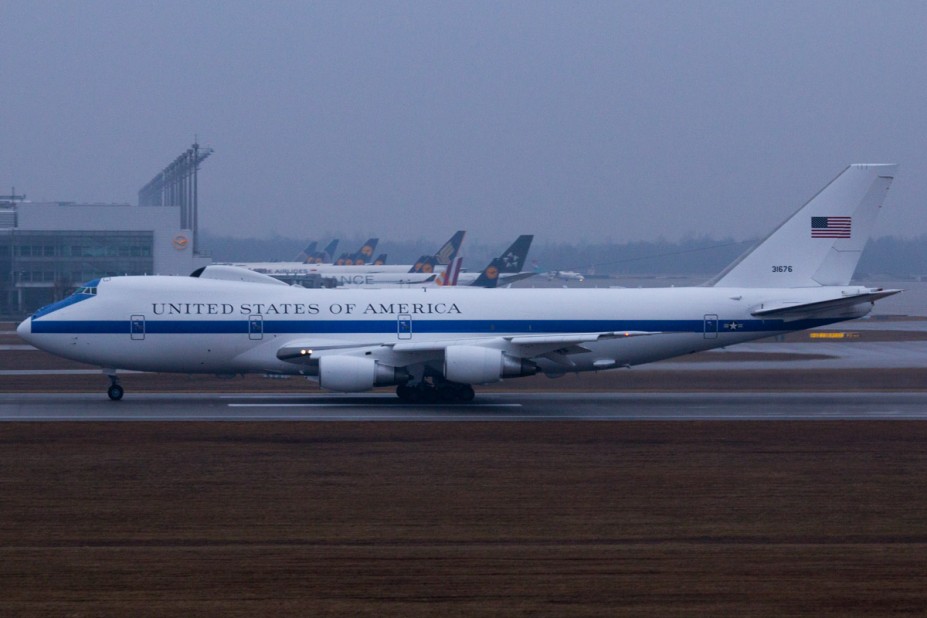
(354, 405)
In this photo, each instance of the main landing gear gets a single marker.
(440, 392)
(115, 390)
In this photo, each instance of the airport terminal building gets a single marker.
(47, 249)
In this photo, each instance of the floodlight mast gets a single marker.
(177, 185)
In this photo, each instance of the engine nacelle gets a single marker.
(470, 364)
(352, 374)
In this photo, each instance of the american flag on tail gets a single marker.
(831, 227)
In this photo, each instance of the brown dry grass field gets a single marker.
(509, 519)
(422, 519)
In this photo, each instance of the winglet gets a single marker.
(822, 242)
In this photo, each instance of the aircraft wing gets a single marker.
(408, 352)
(796, 310)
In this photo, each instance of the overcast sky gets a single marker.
(570, 120)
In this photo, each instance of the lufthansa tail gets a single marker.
(820, 244)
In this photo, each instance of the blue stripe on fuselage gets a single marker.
(61, 304)
(431, 327)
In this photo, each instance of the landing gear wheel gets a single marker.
(421, 393)
(115, 392)
(466, 394)
(443, 392)
(404, 393)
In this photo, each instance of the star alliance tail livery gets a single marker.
(435, 343)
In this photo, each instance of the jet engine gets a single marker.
(352, 374)
(468, 364)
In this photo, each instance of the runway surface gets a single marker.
(489, 407)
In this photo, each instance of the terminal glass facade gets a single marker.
(40, 267)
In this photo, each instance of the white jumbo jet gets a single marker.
(434, 344)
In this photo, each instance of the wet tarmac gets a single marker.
(499, 407)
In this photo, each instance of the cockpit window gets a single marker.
(83, 292)
(89, 288)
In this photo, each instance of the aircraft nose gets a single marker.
(24, 330)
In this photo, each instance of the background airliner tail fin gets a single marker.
(328, 253)
(450, 275)
(489, 278)
(513, 258)
(448, 251)
(822, 242)
(304, 255)
(365, 253)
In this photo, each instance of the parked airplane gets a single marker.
(226, 272)
(360, 257)
(442, 257)
(292, 271)
(306, 253)
(434, 344)
(513, 258)
(503, 270)
(565, 275)
(324, 256)
(448, 277)
(489, 278)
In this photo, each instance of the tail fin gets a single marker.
(489, 278)
(419, 264)
(450, 274)
(425, 264)
(381, 260)
(328, 253)
(513, 258)
(448, 251)
(822, 242)
(304, 255)
(445, 255)
(361, 256)
(365, 253)
(322, 257)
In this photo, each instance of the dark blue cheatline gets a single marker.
(388, 326)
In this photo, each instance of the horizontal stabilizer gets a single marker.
(801, 310)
